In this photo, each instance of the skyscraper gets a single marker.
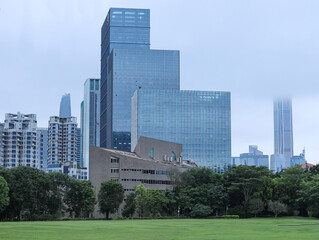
(90, 118)
(283, 130)
(128, 64)
(65, 106)
(199, 120)
(42, 136)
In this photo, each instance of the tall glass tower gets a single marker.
(65, 106)
(128, 64)
(283, 131)
(90, 119)
(200, 120)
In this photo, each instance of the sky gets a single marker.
(258, 50)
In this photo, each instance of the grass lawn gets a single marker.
(237, 229)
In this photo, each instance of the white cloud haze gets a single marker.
(255, 49)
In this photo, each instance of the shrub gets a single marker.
(200, 211)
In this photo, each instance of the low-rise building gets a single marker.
(154, 163)
(255, 157)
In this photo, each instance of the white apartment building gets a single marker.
(62, 142)
(18, 141)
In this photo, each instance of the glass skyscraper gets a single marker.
(200, 120)
(90, 118)
(65, 106)
(128, 64)
(283, 131)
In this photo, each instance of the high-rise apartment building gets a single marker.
(78, 146)
(283, 131)
(42, 145)
(90, 118)
(65, 106)
(128, 64)
(19, 141)
(62, 141)
(199, 120)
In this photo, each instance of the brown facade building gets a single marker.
(154, 163)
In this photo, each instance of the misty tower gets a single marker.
(65, 106)
(128, 64)
(283, 131)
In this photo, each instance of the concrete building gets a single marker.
(148, 164)
(42, 147)
(19, 141)
(254, 157)
(62, 141)
(128, 64)
(199, 120)
(90, 119)
(78, 146)
(283, 130)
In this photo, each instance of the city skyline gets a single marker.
(255, 129)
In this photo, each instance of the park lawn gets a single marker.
(237, 229)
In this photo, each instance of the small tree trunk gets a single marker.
(107, 215)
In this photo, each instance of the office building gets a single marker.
(42, 145)
(90, 119)
(65, 106)
(254, 157)
(128, 64)
(299, 159)
(277, 163)
(148, 164)
(62, 142)
(19, 141)
(199, 120)
(283, 130)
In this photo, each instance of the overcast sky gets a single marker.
(255, 49)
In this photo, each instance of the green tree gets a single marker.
(288, 185)
(155, 201)
(110, 197)
(4, 194)
(243, 182)
(140, 192)
(309, 195)
(129, 207)
(277, 207)
(256, 206)
(200, 210)
(80, 198)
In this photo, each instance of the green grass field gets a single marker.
(259, 228)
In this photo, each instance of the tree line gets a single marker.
(247, 191)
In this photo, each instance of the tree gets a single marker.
(110, 197)
(140, 192)
(80, 198)
(243, 182)
(129, 207)
(200, 210)
(288, 185)
(155, 201)
(256, 206)
(309, 195)
(4, 194)
(277, 207)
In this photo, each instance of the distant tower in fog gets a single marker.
(283, 131)
(65, 106)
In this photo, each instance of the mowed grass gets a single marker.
(254, 228)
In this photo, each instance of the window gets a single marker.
(151, 153)
(114, 170)
(115, 160)
(173, 156)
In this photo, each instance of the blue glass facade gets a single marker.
(65, 106)
(200, 120)
(128, 64)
